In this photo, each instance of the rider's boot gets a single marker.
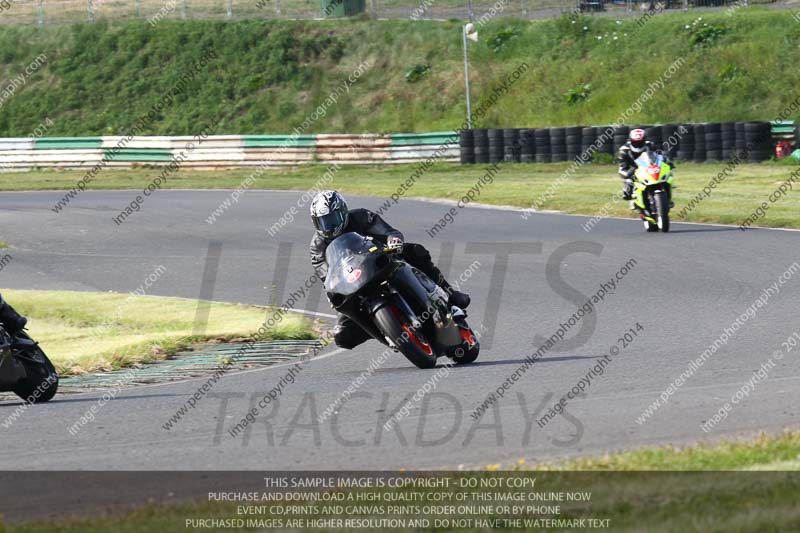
(422, 260)
(456, 297)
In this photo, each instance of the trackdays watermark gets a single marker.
(156, 183)
(90, 414)
(438, 421)
(747, 387)
(590, 224)
(30, 400)
(426, 388)
(608, 133)
(6, 4)
(377, 362)
(112, 321)
(597, 370)
(420, 10)
(4, 261)
(15, 83)
(479, 113)
(262, 333)
(288, 216)
(144, 121)
(722, 340)
(292, 140)
(168, 8)
(496, 9)
(37, 132)
(588, 307)
(775, 196)
(470, 196)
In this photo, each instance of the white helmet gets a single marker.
(637, 140)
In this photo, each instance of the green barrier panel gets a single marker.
(437, 137)
(781, 126)
(342, 8)
(133, 154)
(67, 143)
(278, 141)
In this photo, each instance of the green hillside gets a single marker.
(269, 76)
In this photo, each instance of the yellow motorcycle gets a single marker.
(653, 190)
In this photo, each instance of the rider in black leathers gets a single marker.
(12, 321)
(331, 218)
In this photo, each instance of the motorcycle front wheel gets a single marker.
(662, 212)
(405, 338)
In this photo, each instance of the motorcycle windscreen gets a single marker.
(347, 271)
(647, 160)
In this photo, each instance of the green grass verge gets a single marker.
(633, 501)
(87, 332)
(764, 452)
(589, 191)
(270, 75)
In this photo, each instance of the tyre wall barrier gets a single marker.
(698, 142)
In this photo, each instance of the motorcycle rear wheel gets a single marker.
(469, 349)
(42, 382)
(411, 344)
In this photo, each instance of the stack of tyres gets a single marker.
(588, 139)
(699, 143)
(685, 150)
(466, 146)
(728, 138)
(713, 131)
(669, 139)
(495, 145)
(620, 137)
(527, 145)
(481, 142)
(606, 133)
(741, 140)
(759, 141)
(654, 135)
(558, 144)
(573, 141)
(542, 139)
(511, 148)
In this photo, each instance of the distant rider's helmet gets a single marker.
(329, 213)
(637, 140)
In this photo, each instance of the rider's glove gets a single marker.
(394, 244)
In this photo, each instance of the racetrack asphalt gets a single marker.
(684, 289)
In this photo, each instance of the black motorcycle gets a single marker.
(25, 368)
(396, 303)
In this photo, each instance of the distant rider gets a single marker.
(628, 153)
(331, 218)
(12, 321)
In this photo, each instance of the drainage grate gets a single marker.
(202, 361)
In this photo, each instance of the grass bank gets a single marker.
(87, 332)
(268, 76)
(591, 190)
